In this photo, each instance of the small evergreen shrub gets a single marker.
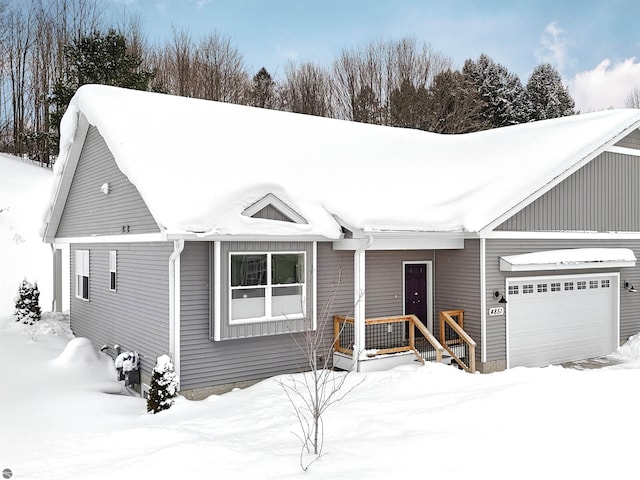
(164, 386)
(28, 303)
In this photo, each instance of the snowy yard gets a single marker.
(63, 414)
(61, 417)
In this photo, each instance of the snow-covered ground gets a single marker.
(62, 415)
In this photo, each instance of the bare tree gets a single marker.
(307, 89)
(633, 98)
(312, 392)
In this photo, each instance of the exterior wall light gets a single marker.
(497, 294)
(629, 287)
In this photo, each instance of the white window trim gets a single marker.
(268, 289)
(113, 269)
(82, 270)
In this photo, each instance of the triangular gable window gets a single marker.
(271, 207)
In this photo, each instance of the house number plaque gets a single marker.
(496, 311)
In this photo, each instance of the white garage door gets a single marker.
(554, 319)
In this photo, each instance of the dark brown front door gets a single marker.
(415, 291)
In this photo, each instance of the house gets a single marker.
(215, 232)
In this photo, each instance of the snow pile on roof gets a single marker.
(572, 256)
(198, 164)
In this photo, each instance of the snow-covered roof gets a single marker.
(199, 164)
(572, 258)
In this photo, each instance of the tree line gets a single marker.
(48, 48)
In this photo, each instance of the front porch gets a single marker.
(391, 341)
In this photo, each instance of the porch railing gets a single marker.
(456, 341)
(388, 335)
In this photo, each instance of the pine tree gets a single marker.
(28, 303)
(263, 94)
(96, 58)
(164, 386)
(548, 97)
(504, 100)
(408, 106)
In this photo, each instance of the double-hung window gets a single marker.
(267, 286)
(82, 274)
(112, 269)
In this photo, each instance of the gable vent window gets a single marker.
(267, 286)
(112, 269)
(82, 274)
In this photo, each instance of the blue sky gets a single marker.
(576, 36)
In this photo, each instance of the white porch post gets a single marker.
(359, 310)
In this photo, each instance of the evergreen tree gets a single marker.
(263, 93)
(547, 95)
(28, 303)
(96, 58)
(366, 107)
(164, 386)
(504, 100)
(408, 106)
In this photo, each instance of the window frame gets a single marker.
(268, 288)
(113, 270)
(82, 272)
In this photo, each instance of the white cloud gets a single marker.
(554, 48)
(606, 86)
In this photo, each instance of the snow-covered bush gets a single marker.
(28, 303)
(164, 386)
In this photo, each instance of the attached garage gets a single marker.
(558, 318)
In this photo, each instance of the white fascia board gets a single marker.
(197, 237)
(505, 235)
(505, 266)
(426, 243)
(129, 238)
(634, 152)
(271, 199)
(66, 178)
(608, 146)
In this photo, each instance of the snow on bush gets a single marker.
(28, 303)
(79, 351)
(164, 386)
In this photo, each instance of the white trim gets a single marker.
(424, 243)
(268, 287)
(217, 291)
(615, 287)
(505, 235)
(275, 202)
(359, 312)
(429, 275)
(634, 152)
(483, 300)
(82, 267)
(133, 238)
(314, 288)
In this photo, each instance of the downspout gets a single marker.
(174, 306)
(56, 301)
(359, 314)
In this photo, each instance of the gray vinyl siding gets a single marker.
(272, 213)
(383, 280)
(457, 284)
(136, 315)
(88, 211)
(602, 196)
(285, 326)
(496, 280)
(206, 362)
(630, 141)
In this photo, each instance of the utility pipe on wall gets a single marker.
(174, 306)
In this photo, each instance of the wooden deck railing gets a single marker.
(456, 341)
(386, 335)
